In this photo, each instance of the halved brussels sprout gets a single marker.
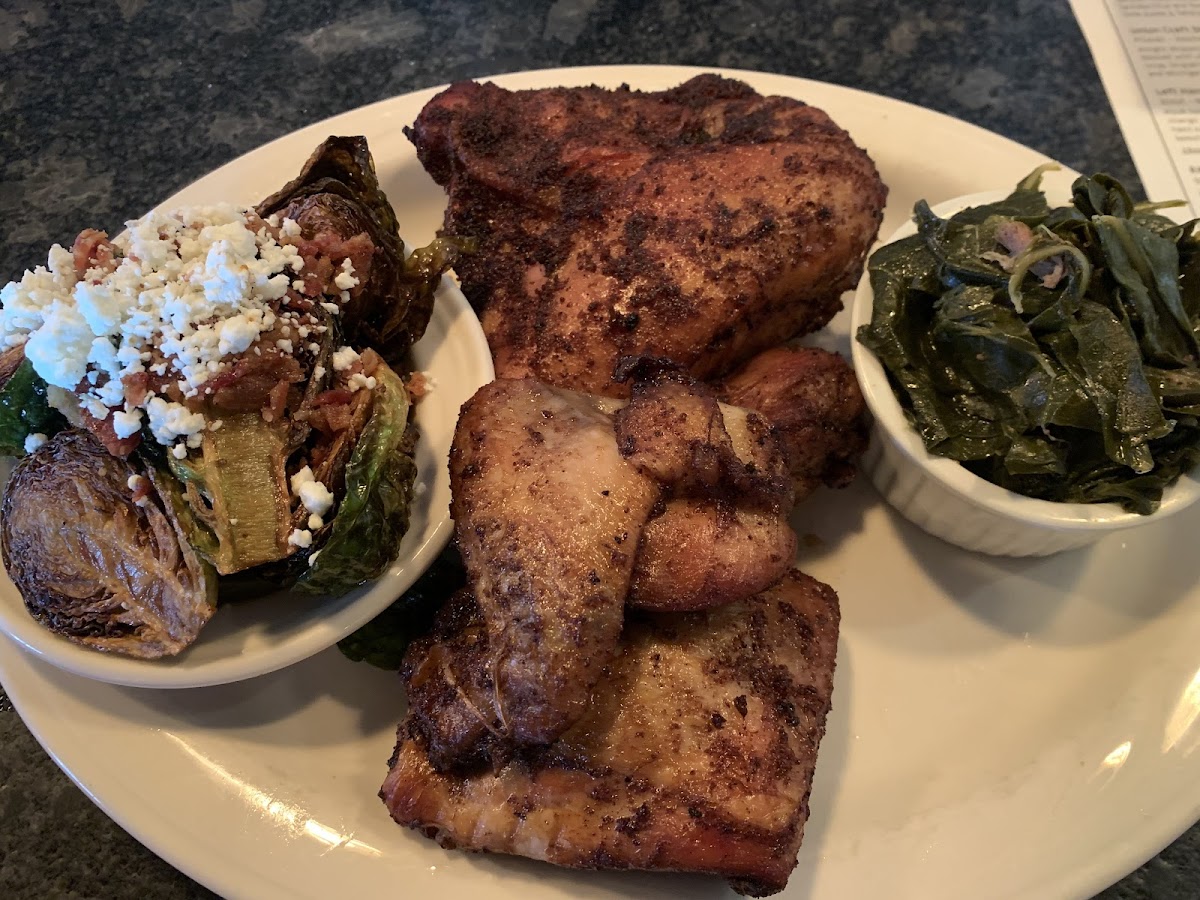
(93, 563)
(337, 195)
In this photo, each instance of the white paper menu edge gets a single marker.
(1155, 165)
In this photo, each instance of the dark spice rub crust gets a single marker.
(703, 224)
(696, 753)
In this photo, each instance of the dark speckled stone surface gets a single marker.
(105, 108)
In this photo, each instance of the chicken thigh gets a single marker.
(697, 755)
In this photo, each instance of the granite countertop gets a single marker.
(107, 108)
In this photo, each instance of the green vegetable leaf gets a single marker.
(1107, 363)
(372, 517)
(24, 410)
(1145, 267)
(1101, 195)
(1075, 378)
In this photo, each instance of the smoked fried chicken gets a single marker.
(697, 755)
(703, 224)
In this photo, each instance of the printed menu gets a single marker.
(1148, 55)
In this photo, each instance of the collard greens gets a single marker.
(1063, 365)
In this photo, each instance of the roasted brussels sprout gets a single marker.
(337, 195)
(97, 551)
(240, 419)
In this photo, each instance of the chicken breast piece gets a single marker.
(703, 224)
(696, 755)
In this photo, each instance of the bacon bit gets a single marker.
(332, 397)
(93, 250)
(417, 385)
(256, 223)
(137, 386)
(323, 257)
(276, 402)
(252, 382)
(103, 430)
(141, 491)
(318, 274)
(368, 362)
(332, 418)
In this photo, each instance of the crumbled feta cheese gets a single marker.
(343, 358)
(134, 482)
(315, 496)
(318, 371)
(300, 537)
(188, 290)
(290, 228)
(313, 558)
(332, 308)
(358, 381)
(344, 280)
(315, 522)
(127, 422)
(35, 440)
(284, 345)
(169, 420)
(179, 451)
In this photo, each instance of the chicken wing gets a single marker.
(548, 515)
(568, 507)
(697, 755)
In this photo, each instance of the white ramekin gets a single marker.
(950, 502)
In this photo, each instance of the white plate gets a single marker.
(1000, 728)
(255, 636)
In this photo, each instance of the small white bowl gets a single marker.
(952, 503)
(253, 636)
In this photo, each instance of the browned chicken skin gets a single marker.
(721, 532)
(697, 755)
(704, 224)
(568, 506)
(812, 399)
(548, 515)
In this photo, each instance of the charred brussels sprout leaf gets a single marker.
(1068, 370)
(337, 193)
(372, 517)
(93, 565)
(24, 410)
